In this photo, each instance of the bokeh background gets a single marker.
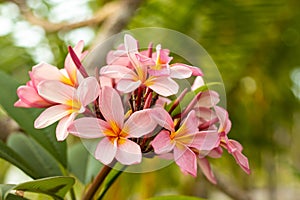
(254, 43)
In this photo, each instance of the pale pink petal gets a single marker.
(235, 144)
(131, 47)
(128, 85)
(188, 126)
(162, 101)
(162, 143)
(44, 71)
(195, 70)
(62, 126)
(208, 99)
(22, 104)
(205, 140)
(30, 98)
(180, 72)
(242, 161)
(216, 152)
(163, 86)
(198, 82)
(51, 115)
(88, 90)
(105, 81)
(206, 169)
(163, 118)
(88, 127)
(129, 153)
(106, 151)
(225, 124)
(160, 72)
(186, 159)
(111, 106)
(118, 57)
(56, 91)
(140, 123)
(117, 71)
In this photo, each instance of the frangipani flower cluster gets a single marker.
(134, 106)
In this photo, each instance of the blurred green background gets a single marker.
(254, 43)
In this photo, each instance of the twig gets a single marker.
(98, 18)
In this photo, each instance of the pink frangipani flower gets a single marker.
(233, 147)
(28, 94)
(115, 133)
(185, 142)
(69, 102)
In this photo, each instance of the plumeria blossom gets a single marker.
(233, 147)
(114, 130)
(185, 142)
(129, 109)
(153, 72)
(28, 94)
(69, 103)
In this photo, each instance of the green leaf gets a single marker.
(36, 157)
(82, 163)
(4, 188)
(25, 118)
(175, 198)
(15, 197)
(57, 187)
(11, 156)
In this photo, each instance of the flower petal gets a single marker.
(88, 127)
(196, 71)
(163, 86)
(56, 91)
(51, 115)
(88, 90)
(162, 143)
(180, 71)
(186, 159)
(206, 169)
(140, 123)
(44, 71)
(129, 153)
(62, 126)
(117, 71)
(163, 118)
(111, 106)
(198, 82)
(106, 151)
(188, 126)
(205, 140)
(30, 98)
(128, 85)
(208, 99)
(225, 124)
(131, 47)
(242, 161)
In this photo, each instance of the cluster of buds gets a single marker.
(135, 107)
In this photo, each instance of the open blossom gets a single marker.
(185, 142)
(28, 94)
(153, 72)
(69, 102)
(114, 130)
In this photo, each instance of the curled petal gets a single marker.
(162, 143)
(51, 115)
(196, 71)
(206, 169)
(242, 161)
(128, 152)
(106, 151)
(117, 71)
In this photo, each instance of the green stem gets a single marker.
(110, 182)
(72, 193)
